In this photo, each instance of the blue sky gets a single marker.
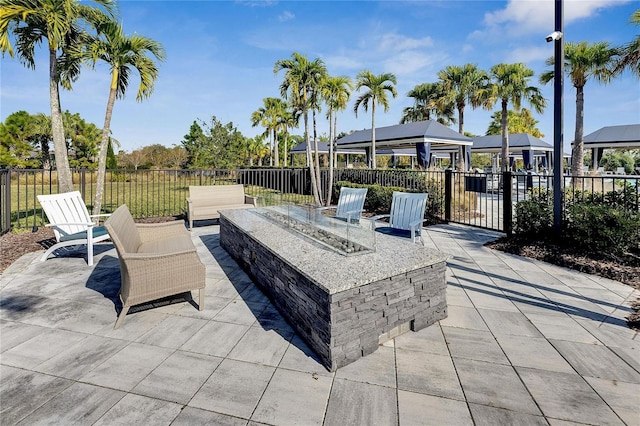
(220, 58)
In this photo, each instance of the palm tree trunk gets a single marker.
(505, 137)
(577, 153)
(460, 163)
(104, 144)
(312, 172)
(335, 137)
(316, 158)
(275, 147)
(373, 134)
(270, 148)
(330, 183)
(65, 180)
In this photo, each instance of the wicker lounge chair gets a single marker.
(156, 260)
(350, 204)
(406, 217)
(71, 222)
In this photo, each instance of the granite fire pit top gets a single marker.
(330, 270)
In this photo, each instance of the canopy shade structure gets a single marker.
(406, 136)
(529, 147)
(611, 137)
(614, 137)
(424, 136)
(518, 142)
(323, 148)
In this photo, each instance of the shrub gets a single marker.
(378, 197)
(534, 217)
(599, 228)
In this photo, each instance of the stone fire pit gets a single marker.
(344, 307)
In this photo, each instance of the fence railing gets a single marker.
(483, 200)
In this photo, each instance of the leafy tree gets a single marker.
(59, 22)
(336, 92)
(302, 77)
(112, 161)
(195, 144)
(582, 62)
(517, 122)
(41, 136)
(16, 148)
(630, 53)
(83, 140)
(155, 156)
(429, 100)
(378, 86)
(510, 84)
(226, 144)
(177, 157)
(121, 53)
(614, 159)
(462, 85)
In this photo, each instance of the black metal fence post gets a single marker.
(507, 205)
(448, 179)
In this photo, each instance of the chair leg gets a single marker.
(201, 299)
(120, 319)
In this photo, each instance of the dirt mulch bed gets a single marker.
(625, 269)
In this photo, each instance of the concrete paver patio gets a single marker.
(525, 343)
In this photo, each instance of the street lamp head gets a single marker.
(556, 35)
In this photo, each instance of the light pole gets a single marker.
(558, 80)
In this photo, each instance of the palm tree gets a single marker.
(336, 92)
(510, 84)
(288, 120)
(121, 53)
(59, 22)
(378, 86)
(630, 52)
(269, 116)
(461, 85)
(429, 99)
(301, 78)
(582, 62)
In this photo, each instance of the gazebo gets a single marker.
(423, 136)
(611, 137)
(529, 147)
(323, 148)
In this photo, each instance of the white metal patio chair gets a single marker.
(72, 225)
(406, 216)
(350, 204)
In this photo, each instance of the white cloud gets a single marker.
(286, 16)
(528, 54)
(257, 3)
(398, 42)
(525, 16)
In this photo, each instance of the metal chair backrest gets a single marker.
(351, 203)
(67, 211)
(406, 208)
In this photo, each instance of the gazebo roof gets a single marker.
(614, 137)
(323, 148)
(406, 135)
(518, 142)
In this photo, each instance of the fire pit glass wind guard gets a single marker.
(336, 234)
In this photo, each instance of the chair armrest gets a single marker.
(100, 215)
(157, 256)
(58, 225)
(248, 199)
(159, 231)
(374, 219)
(326, 208)
(378, 217)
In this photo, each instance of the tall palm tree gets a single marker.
(378, 86)
(630, 52)
(583, 61)
(429, 100)
(301, 78)
(336, 92)
(462, 85)
(122, 53)
(60, 23)
(288, 120)
(269, 116)
(510, 84)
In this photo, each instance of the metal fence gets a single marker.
(485, 200)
